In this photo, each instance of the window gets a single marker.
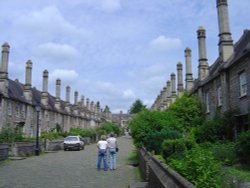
(17, 109)
(207, 102)
(243, 84)
(219, 96)
(9, 109)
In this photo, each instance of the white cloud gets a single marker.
(57, 52)
(110, 5)
(162, 44)
(66, 76)
(48, 21)
(105, 5)
(128, 94)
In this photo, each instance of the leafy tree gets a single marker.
(106, 109)
(148, 122)
(187, 109)
(137, 106)
(107, 128)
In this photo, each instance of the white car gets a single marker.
(73, 142)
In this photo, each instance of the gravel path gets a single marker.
(69, 169)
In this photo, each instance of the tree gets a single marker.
(136, 107)
(106, 109)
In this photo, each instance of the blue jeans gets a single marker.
(112, 159)
(102, 155)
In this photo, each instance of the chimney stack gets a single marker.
(28, 77)
(76, 98)
(189, 75)
(180, 79)
(203, 65)
(45, 88)
(225, 42)
(4, 69)
(173, 87)
(58, 93)
(67, 105)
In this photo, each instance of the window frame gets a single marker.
(243, 84)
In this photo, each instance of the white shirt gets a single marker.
(103, 144)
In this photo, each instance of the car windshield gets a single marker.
(71, 139)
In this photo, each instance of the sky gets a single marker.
(111, 51)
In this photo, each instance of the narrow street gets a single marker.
(69, 169)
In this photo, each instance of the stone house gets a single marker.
(19, 102)
(224, 85)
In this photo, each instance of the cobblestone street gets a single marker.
(69, 169)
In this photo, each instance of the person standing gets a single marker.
(102, 146)
(112, 145)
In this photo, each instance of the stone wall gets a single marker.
(158, 175)
(24, 149)
(4, 151)
(53, 145)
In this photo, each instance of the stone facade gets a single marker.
(225, 84)
(18, 104)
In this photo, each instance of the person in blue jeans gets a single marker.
(112, 145)
(102, 146)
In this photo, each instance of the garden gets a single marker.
(205, 152)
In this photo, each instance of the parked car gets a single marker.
(73, 142)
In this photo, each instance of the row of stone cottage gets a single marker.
(225, 84)
(19, 102)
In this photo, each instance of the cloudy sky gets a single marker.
(112, 51)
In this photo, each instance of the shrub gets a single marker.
(10, 135)
(154, 140)
(221, 127)
(147, 122)
(107, 128)
(176, 148)
(50, 135)
(243, 147)
(82, 132)
(199, 167)
(224, 152)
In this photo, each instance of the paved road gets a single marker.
(71, 169)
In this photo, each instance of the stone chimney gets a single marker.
(58, 88)
(189, 75)
(225, 42)
(58, 93)
(203, 65)
(68, 95)
(67, 105)
(76, 98)
(168, 93)
(173, 87)
(82, 101)
(45, 88)
(87, 104)
(28, 77)
(76, 102)
(164, 98)
(4, 69)
(92, 106)
(180, 79)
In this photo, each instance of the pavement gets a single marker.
(73, 169)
